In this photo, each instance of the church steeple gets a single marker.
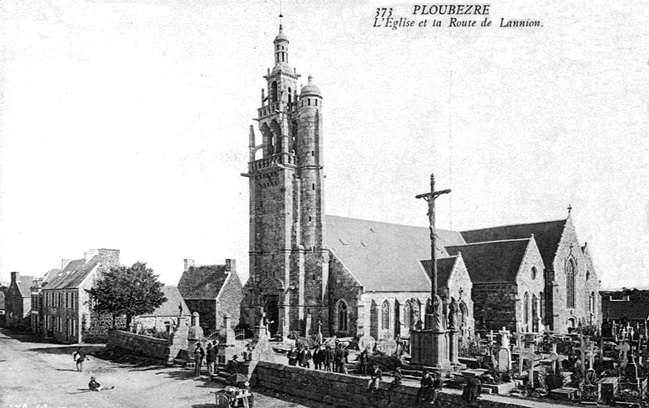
(281, 46)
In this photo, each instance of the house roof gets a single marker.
(24, 284)
(444, 269)
(202, 282)
(546, 234)
(170, 306)
(385, 257)
(497, 261)
(73, 274)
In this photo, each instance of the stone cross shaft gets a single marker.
(430, 198)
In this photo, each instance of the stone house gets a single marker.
(212, 291)
(165, 316)
(508, 283)
(18, 302)
(37, 321)
(571, 282)
(67, 313)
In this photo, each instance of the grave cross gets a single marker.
(430, 198)
(582, 351)
(504, 338)
(527, 354)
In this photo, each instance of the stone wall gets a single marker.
(342, 390)
(139, 344)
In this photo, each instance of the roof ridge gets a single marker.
(515, 225)
(390, 223)
(492, 242)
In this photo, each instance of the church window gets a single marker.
(290, 95)
(587, 275)
(570, 284)
(273, 92)
(534, 272)
(308, 102)
(313, 186)
(385, 315)
(526, 308)
(342, 315)
(591, 303)
(541, 305)
(406, 314)
(316, 102)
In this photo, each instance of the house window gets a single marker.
(570, 284)
(385, 315)
(342, 315)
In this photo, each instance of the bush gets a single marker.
(554, 380)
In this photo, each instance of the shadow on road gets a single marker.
(204, 406)
(67, 349)
(25, 337)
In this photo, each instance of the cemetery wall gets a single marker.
(139, 344)
(343, 390)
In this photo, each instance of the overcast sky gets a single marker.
(125, 124)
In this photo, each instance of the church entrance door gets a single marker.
(272, 314)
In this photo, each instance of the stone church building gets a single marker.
(351, 277)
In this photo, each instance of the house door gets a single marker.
(272, 314)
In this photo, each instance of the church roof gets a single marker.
(73, 274)
(385, 257)
(496, 261)
(170, 306)
(546, 234)
(444, 268)
(202, 282)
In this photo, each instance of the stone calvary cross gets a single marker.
(430, 198)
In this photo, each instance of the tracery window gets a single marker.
(570, 284)
(385, 315)
(342, 316)
(526, 308)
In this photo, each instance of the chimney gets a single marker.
(14, 276)
(189, 263)
(230, 265)
(64, 263)
(110, 257)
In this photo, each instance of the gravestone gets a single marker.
(388, 347)
(623, 349)
(504, 354)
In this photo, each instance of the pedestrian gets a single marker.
(339, 359)
(318, 356)
(398, 377)
(425, 387)
(472, 389)
(304, 357)
(93, 385)
(199, 353)
(375, 378)
(292, 356)
(233, 366)
(363, 359)
(79, 357)
(328, 358)
(211, 358)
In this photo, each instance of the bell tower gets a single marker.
(288, 263)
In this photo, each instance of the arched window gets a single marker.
(290, 96)
(273, 92)
(541, 305)
(385, 315)
(342, 316)
(570, 284)
(533, 272)
(591, 302)
(526, 308)
(407, 310)
(587, 275)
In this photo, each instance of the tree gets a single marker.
(129, 291)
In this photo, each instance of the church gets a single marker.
(349, 277)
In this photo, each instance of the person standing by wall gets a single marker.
(199, 353)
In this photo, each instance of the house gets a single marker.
(508, 283)
(37, 322)
(165, 316)
(18, 302)
(66, 308)
(212, 291)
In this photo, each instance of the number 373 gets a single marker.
(383, 12)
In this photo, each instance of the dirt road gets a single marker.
(43, 375)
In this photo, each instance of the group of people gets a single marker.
(324, 357)
(210, 356)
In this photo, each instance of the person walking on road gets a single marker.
(79, 357)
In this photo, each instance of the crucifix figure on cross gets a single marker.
(430, 197)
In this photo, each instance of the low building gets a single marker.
(212, 291)
(37, 322)
(165, 317)
(18, 302)
(625, 305)
(67, 313)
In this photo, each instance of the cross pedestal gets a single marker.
(453, 347)
(430, 347)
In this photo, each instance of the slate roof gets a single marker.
(25, 285)
(444, 269)
(170, 306)
(489, 262)
(202, 282)
(546, 234)
(73, 275)
(385, 257)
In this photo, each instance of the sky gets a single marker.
(124, 124)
